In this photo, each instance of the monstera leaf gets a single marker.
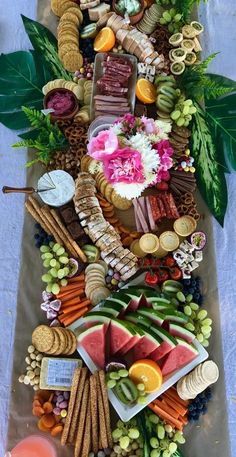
(45, 43)
(221, 116)
(22, 76)
(209, 172)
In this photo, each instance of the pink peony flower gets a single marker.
(149, 126)
(124, 165)
(165, 152)
(105, 143)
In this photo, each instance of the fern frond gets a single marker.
(212, 89)
(24, 144)
(185, 7)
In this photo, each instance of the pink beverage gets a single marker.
(33, 446)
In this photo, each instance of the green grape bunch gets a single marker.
(127, 439)
(165, 439)
(172, 19)
(183, 112)
(57, 262)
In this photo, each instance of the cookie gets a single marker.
(73, 394)
(72, 61)
(43, 338)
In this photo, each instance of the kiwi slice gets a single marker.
(89, 31)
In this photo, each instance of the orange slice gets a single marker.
(146, 372)
(145, 91)
(105, 40)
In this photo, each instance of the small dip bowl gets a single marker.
(133, 19)
(52, 99)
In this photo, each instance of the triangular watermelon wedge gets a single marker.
(93, 342)
(180, 356)
(121, 333)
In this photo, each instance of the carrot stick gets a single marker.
(65, 290)
(182, 410)
(72, 301)
(70, 294)
(71, 309)
(163, 415)
(67, 320)
(173, 392)
(166, 408)
(77, 278)
(184, 419)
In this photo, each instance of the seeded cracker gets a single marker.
(101, 415)
(105, 406)
(94, 412)
(62, 341)
(77, 406)
(43, 338)
(73, 393)
(73, 342)
(81, 422)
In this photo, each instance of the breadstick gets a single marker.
(63, 240)
(68, 236)
(36, 216)
(38, 208)
(50, 224)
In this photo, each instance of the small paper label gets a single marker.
(60, 372)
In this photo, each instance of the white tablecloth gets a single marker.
(220, 21)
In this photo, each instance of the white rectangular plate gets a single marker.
(127, 412)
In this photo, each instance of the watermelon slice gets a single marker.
(137, 318)
(97, 317)
(175, 316)
(120, 297)
(112, 307)
(181, 355)
(181, 332)
(133, 341)
(121, 333)
(135, 296)
(153, 315)
(92, 341)
(168, 343)
(146, 345)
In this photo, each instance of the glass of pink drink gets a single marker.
(33, 446)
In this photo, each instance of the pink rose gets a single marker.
(105, 143)
(149, 126)
(124, 165)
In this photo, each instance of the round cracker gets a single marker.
(72, 61)
(95, 266)
(74, 343)
(99, 295)
(71, 17)
(43, 338)
(76, 10)
(120, 202)
(65, 5)
(55, 349)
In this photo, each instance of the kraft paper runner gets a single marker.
(209, 437)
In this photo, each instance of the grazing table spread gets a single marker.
(117, 198)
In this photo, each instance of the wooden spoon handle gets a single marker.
(21, 190)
